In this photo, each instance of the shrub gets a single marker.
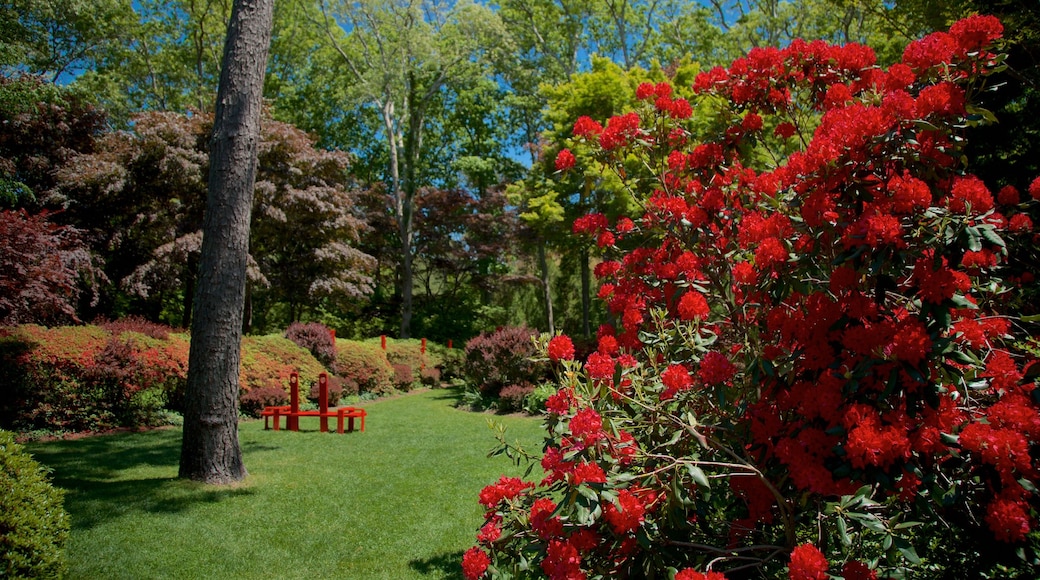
(86, 379)
(365, 364)
(253, 401)
(316, 338)
(814, 373)
(335, 391)
(451, 362)
(137, 325)
(267, 361)
(430, 377)
(535, 403)
(513, 397)
(503, 357)
(33, 524)
(404, 377)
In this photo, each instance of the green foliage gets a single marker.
(267, 361)
(366, 364)
(33, 521)
(535, 403)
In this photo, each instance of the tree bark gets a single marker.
(210, 451)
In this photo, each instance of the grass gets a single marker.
(397, 501)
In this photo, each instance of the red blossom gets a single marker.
(561, 348)
(1008, 520)
(564, 160)
(585, 127)
(715, 368)
(627, 516)
(807, 563)
(587, 425)
(1034, 189)
(675, 378)
(976, 32)
(585, 472)
(856, 570)
(693, 306)
(474, 563)
(691, 574)
(505, 488)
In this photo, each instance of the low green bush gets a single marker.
(33, 524)
(536, 399)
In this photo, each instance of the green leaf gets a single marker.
(698, 475)
(843, 532)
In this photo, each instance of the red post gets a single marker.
(292, 422)
(323, 401)
(449, 344)
(422, 351)
(332, 333)
(382, 340)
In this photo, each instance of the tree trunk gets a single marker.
(543, 267)
(210, 451)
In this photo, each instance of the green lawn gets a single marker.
(397, 501)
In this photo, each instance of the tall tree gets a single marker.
(59, 38)
(210, 451)
(400, 56)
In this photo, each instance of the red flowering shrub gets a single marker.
(316, 338)
(366, 365)
(804, 351)
(83, 378)
(503, 357)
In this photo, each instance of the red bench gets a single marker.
(292, 412)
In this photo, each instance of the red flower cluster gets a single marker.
(826, 327)
(561, 348)
(808, 563)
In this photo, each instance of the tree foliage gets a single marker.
(43, 269)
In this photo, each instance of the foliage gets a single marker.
(252, 402)
(513, 398)
(366, 365)
(140, 196)
(126, 373)
(44, 266)
(430, 376)
(504, 357)
(812, 372)
(87, 379)
(41, 127)
(536, 400)
(404, 376)
(316, 338)
(32, 516)
(269, 360)
(335, 390)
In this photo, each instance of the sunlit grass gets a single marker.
(397, 501)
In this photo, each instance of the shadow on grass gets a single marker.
(440, 566)
(112, 476)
